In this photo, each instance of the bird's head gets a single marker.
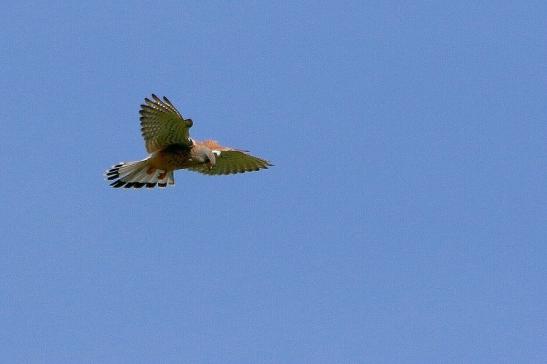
(188, 123)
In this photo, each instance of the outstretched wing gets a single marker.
(163, 125)
(231, 162)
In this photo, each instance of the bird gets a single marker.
(167, 140)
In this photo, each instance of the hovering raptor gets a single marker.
(170, 147)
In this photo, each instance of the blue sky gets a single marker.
(403, 222)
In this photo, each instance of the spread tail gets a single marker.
(137, 175)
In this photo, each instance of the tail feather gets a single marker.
(165, 180)
(135, 175)
(150, 180)
(170, 178)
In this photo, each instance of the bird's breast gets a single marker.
(171, 159)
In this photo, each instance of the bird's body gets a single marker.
(165, 132)
(177, 157)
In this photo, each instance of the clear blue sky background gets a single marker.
(404, 220)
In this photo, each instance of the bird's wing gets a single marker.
(231, 162)
(163, 125)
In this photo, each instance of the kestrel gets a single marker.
(170, 147)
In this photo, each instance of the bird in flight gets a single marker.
(167, 140)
